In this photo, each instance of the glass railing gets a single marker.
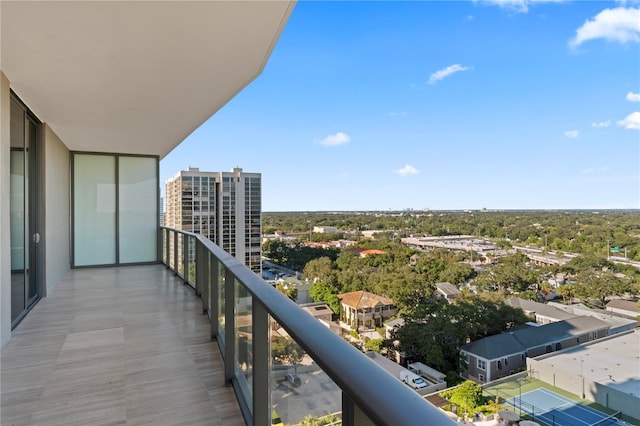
(281, 361)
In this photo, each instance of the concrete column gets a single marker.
(5, 244)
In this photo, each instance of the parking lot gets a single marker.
(317, 395)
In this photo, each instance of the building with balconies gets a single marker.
(222, 206)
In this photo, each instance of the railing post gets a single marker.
(261, 370)
(229, 326)
(347, 410)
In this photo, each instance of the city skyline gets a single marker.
(442, 105)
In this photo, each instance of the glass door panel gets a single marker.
(94, 210)
(23, 218)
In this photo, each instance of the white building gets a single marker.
(223, 206)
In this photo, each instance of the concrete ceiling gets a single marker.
(134, 76)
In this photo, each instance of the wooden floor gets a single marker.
(116, 346)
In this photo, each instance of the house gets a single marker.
(447, 291)
(364, 309)
(542, 313)
(503, 354)
(624, 307)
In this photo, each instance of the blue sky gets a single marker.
(504, 104)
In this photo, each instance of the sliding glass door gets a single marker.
(24, 227)
(115, 209)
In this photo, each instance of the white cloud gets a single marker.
(601, 124)
(517, 5)
(592, 170)
(619, 24)
(571, 134)
(397, 114)
(633, 97)
(631, 121)
(335, 140)
(446, 72)
(407, 170)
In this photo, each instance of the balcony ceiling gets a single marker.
(134, 76)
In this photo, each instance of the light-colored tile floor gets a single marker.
(115, 346)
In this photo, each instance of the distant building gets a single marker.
(540, 312)
(365, 252)
(320, 311)
(222, 206)
(624, 307)
(326, 230)
(503, 354)
(364, 309)
(447, 291)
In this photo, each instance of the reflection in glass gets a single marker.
(299, 388)
(221, 300)
(180, 266)
(18, 214)
(192, 260)
(244, 337)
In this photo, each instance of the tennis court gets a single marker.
(545, 406)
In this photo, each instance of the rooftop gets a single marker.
(364, 299)
(612, 362)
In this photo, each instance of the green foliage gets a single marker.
(288, 290)
(285, 351)
(569, 232)
(375, 345)
(323, 292)
(354, 334)
(467, 396)
(435, 330)
(294, 255)
(330, 419)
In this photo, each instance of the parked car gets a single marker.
(293, 378)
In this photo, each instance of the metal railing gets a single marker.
(244, 310)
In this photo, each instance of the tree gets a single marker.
(467, 396)
(285, 351)
(597, 286)
(321, 269)
(323, 292)
(288, 290)
(456, 273)
(567, 291)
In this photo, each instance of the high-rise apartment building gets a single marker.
(222, 206)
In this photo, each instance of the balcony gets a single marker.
(197, 343)
(125, 345)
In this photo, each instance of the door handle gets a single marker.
(36, 238)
